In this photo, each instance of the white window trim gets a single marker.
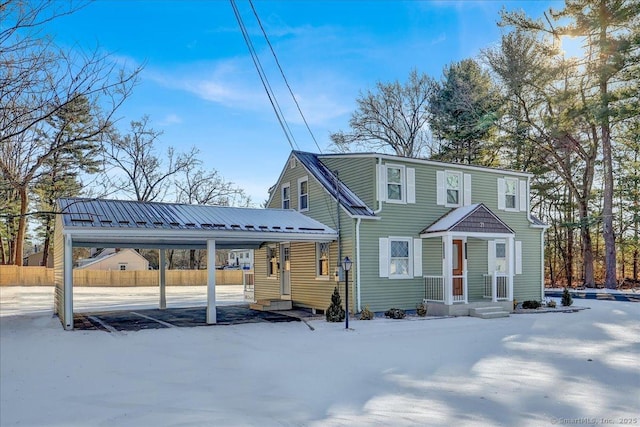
(300, 181)
(460, 189)
(515, 208)
(275, 273)
(409, 241)
(317, 258)
(282, 199)
(403, 183)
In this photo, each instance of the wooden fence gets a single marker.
(11, 275)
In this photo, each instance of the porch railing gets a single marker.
(499, 282)
(434, 288)
(459, 288)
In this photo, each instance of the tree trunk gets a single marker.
(610, 280)
(192, 259)
(3, 256)
(587, 245)
(635, 252)
(22, 227)
(47, 240)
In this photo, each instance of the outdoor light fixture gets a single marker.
(346, 266)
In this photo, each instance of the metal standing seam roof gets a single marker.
(347, 198)
(462, 218)
(81, 214)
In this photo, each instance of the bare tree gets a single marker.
(136, 167)
(38, 81)
(392, 118)
(198, 186)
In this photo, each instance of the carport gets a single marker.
(151, 225)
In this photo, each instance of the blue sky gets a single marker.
(199, 85)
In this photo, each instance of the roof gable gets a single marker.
(476, 218)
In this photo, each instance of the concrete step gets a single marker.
(280, 305)
(488, 312)
(271, 305)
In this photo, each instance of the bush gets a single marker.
(335, 312)
(515, 304)
(367, 314)
(421, 309)
(551, 304)
(531, 304)
(395, 313)
(566, 298)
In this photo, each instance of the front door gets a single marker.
(458, 266)
(285, 268)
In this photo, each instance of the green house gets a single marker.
(457, 236)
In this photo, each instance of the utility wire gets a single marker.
(263, 78)
(283, 75)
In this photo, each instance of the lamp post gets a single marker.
(346, 266)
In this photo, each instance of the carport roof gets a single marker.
(125, 223)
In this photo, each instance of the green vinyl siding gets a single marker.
(431, 257)
(407, 220)
(396, 220)
(359, 174)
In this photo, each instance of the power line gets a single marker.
(283, 75)
(265, 81)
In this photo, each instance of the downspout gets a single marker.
(358, 221)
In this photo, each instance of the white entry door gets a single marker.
(285, 268)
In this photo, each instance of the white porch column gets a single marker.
(163, 278)
(211, 282)
(511, 248)
(68, 282)
(494, 286)
(447, 269)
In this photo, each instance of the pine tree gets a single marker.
(335, 312)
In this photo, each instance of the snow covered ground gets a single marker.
(526, 370)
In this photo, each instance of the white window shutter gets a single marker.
(491, 256)
(382, 183)
(440, 188)
(524, 195)
(383, 259)
(411, 185)
(417, 257)
(467, 189)
(518, 257)
(501, 194)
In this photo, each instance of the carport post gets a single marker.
(68, 282)
(211, 282)
(163, 279)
